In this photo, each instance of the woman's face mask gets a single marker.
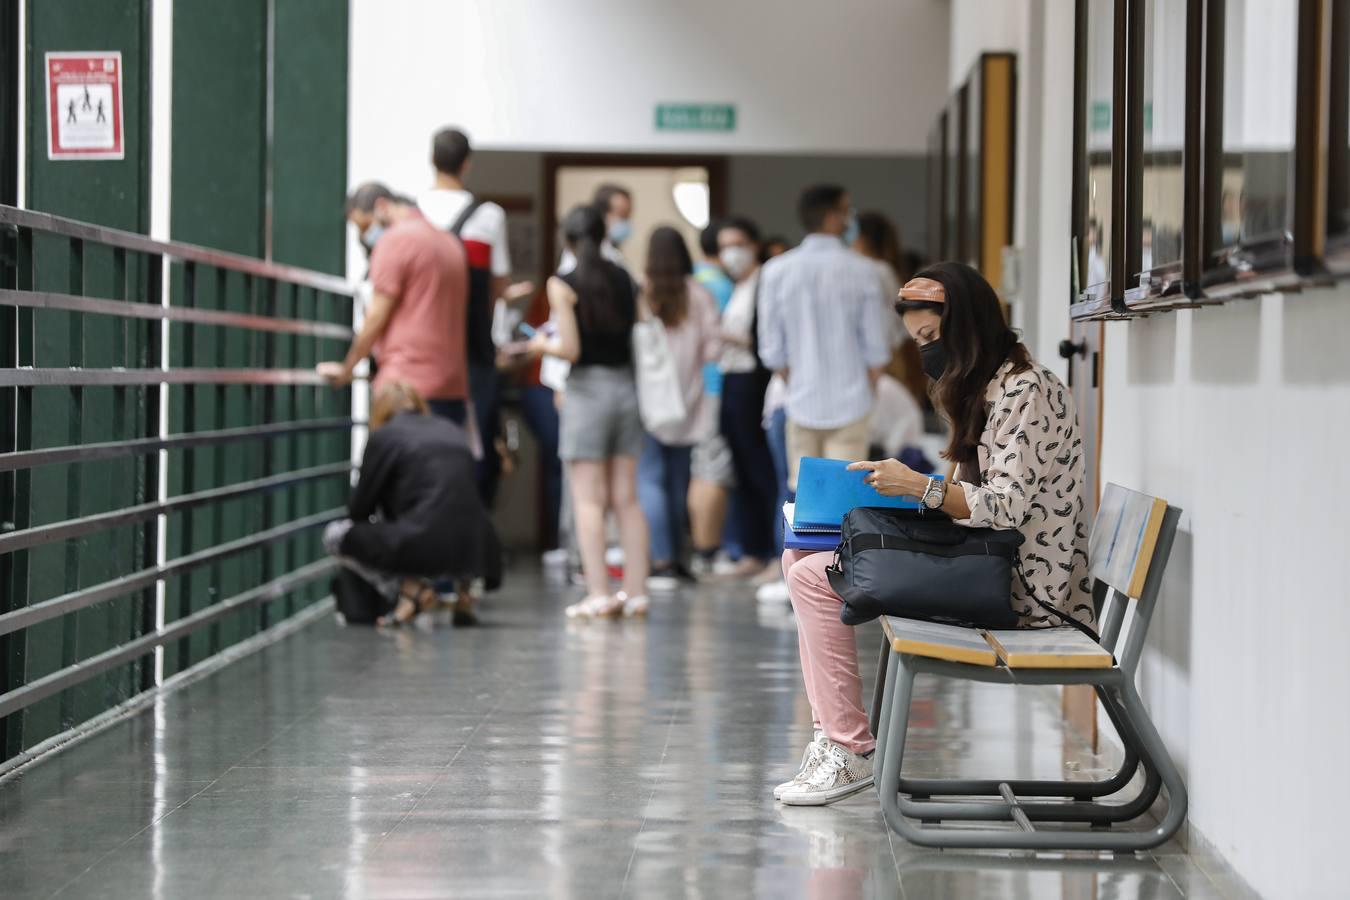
(933, 358)
(371, 235)
(619, 231)
(737, 261)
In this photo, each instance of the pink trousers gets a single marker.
(829, 653)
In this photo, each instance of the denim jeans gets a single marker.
(663, 492)
(485, 387)
(456, 411)
(755, 501)
(541, 417)
(777, 434)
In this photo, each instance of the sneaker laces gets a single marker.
(832, 763)
(814, 752)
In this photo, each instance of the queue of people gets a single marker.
(778, 352)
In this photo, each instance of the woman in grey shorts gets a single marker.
(600, 434)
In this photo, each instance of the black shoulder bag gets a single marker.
(919, 564)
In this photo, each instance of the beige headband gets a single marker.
(923, 290)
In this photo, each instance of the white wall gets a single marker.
(1237, 415)
(851, 76)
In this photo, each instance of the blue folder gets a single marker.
(826, 491)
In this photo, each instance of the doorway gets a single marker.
(684, 192)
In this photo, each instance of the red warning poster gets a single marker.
(84, 105)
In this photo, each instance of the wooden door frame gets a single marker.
(716, 166)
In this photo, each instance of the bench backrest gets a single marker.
(1127, 554)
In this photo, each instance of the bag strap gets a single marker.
(760, 368)
(1067, 620)
(466, 215)
(874, 541)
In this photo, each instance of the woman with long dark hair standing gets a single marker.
(687, 310)
(600, 433)
(1019, 465)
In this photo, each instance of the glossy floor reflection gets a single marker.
(524, 759)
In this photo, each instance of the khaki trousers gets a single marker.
(845, 442)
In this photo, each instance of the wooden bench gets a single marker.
(1128, 550)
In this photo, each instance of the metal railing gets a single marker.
(168, 458)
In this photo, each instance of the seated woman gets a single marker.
(415, 512)
(1019, 464)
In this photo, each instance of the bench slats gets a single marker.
(1048, 648)
(934, 641)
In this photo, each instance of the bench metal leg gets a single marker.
(885, 687)
(879, 689)
(1136, 730)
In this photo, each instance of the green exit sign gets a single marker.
(695, 117)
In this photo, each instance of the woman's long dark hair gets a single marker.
(977, 341)
(668, 268)
(598, 304)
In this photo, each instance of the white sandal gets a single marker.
(594, 607)
(633, 607)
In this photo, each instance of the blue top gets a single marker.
(720, 286)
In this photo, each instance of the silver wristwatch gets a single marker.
(935, 493)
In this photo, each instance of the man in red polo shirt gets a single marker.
(415, 322)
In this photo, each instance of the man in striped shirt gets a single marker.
(821, 326)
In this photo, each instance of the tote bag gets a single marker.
(660, 401)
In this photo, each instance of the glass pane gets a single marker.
(974, 147)
(936, 195)
(1164, 83)
(1095, 261)
(952, 246)
(1260, 44)
(1338, 209)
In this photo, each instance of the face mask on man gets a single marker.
(737, 261)
(371, 235)
(850, 230)
(619, 231)
(933, 358)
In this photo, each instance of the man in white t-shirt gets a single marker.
(481, 226)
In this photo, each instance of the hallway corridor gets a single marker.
(523, 759)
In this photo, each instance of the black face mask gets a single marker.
(933, 358)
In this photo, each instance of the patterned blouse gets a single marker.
(1031, 479)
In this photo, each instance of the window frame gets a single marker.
(1252, 268)
(1175, 284)
(1083, 307)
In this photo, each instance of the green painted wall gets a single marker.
(223, 172)
(220, 177)
(111, 193)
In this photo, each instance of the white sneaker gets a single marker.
(724, 566)
(554, 559)
(662, 584)
(773, 592)
(839, 774)
(811, 757)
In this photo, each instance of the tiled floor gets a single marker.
(526, 758)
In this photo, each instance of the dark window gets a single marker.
(1252, 228)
